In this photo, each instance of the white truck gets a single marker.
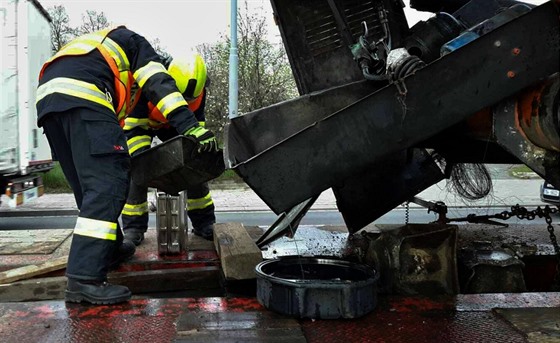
(24, 150)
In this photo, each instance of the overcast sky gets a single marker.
(181, 24)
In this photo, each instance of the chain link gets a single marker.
(407, 213)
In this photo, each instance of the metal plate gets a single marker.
(174, 165)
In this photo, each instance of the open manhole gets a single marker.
(318, 288)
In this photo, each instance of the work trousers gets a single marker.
(200, 207)
(91, 148)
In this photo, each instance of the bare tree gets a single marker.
(265, 76)
(156, 44)
(93, 21)
(61, 32)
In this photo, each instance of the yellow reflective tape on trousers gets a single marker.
(138, 142)
(200, 203)
(135, 210)
(96, 229)
(143, 74)
(170, 102)
(77, 88)
(130, 123)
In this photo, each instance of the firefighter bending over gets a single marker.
(145, 122)
(84, 90)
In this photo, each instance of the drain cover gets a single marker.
(319, 288)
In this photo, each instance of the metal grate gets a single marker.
(357, 11)
(322, 32)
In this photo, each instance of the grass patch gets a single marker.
(55, 182)
(519, 169)
(228, 175)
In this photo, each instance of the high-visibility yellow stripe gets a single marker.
(170, 102)
(130, 123)
(138, 142)
(117, 53)
(202, 123)
(96, 228)
(77, 88)
(79, 46)
(143, 74)
(200, 203)
(135, 209)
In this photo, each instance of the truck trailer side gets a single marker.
(24, 151)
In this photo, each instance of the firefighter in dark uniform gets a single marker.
(145, 122)
(84, 90)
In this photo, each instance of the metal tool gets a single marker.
(287, 223)
(171, 223)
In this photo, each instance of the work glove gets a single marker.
(205, 139)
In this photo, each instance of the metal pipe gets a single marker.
(233, 63)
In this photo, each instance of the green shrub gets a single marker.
(55, 182)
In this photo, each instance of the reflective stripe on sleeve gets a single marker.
(170, 102)
(77, 88)
(143, 74)
(130, 123)
(117, 53)
(135, 210)
(138, 142)
(200, 203)
(202, 123)
(96, 229)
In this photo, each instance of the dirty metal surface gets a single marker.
(316, 35)
(146, 272)
(539, 324)
(386, 122)
(415, 258)
(24, 242)
(311, 240)
(462, 318)
(246, 326)
(174, 165)
(365, 197)
(545, 162)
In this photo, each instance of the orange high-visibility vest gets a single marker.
(117, 60)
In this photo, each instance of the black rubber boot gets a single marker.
(125, 251)
(135, 236)
(95, 292)
(206, 232)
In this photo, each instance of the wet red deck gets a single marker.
(464, 318)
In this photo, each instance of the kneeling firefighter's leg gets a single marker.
(135, 213)
(200, 209)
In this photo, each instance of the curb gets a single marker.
(39, 213)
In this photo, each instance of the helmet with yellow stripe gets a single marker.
(189, 73)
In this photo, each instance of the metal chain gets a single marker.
(522, 213)
(407, 213)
